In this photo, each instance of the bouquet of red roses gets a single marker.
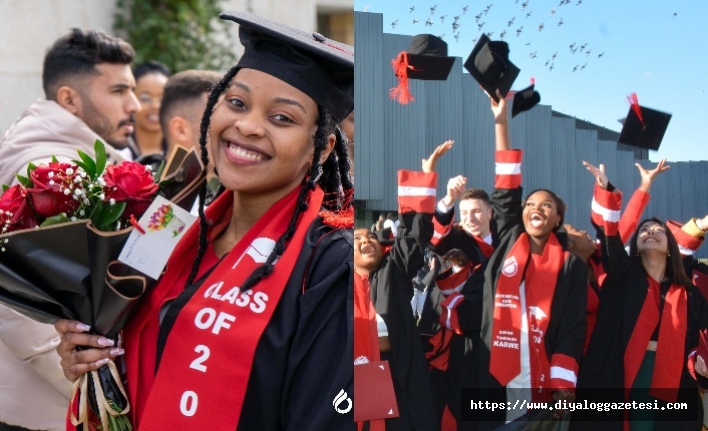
(61, 230)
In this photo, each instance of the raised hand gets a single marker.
(598, 173)
(430, 163)
(499, 109)
(455, 187)
(648, 176)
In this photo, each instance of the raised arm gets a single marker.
(501, 123)
(506, 198)
(416, 205)
(606, 207)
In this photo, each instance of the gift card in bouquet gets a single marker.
(374, 397)
(150, 244)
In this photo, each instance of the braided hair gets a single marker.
(334, 180)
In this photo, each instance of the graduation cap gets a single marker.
(643, 127)
(426, 59)
(319, 67)
(489, 65)
(525, 99)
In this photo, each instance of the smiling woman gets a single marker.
(250, 326)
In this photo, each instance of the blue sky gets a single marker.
(657, 49)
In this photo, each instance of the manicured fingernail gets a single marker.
(105, 342)
(83, 327)
(117, 352)
(101, 362)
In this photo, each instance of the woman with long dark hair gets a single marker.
(643, 346)
(250, 325)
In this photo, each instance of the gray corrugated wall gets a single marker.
(390, 136)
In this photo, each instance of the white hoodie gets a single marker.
(45, 129)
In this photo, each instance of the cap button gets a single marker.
(318, 37)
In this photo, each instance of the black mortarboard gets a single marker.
(426, 59)
(524, 100)
(644, 127)
(489, 65)
(319, 67)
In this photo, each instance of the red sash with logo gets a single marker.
(670, 345)
(207, 360)
(540, 279)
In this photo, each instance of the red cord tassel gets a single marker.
(634, 103)
(401, 93)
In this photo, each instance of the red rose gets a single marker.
(132, 183)
(15, 214)
(53, 191)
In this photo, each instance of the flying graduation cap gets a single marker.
(525, 99)
(426, 59)
(489, 65)
(643, 127)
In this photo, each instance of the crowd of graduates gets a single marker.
(521, 307)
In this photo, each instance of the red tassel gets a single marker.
(634, 103)
(401, 93)
(533, 81)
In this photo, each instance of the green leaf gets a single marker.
(30, 167)
(158, 173)
(54, 159)
(83, 166)
(101, 157)
(5, 187)
(89, 164)
(24, 181)
(57, 219)
(104, 216)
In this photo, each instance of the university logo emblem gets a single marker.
(510, 267)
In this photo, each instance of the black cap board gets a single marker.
(319, 67)
(425, 59)
(524, 100)
(646, 132)
(489, 65)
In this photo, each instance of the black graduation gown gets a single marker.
(567, 327)
(391, 293)
(296, 391)
(621, 299)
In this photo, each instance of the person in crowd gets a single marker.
(150, 79)
(270, 260)
(474, 234)
(379, 224)
(88, 95)
(88, 88)
(580, 242)
(644, 342)
(183, 103)
(534, 295)
(388, 280)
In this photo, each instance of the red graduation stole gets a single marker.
(207, 364)
(486, 249)
(540, 278)
(366, 337)
(670, 345)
